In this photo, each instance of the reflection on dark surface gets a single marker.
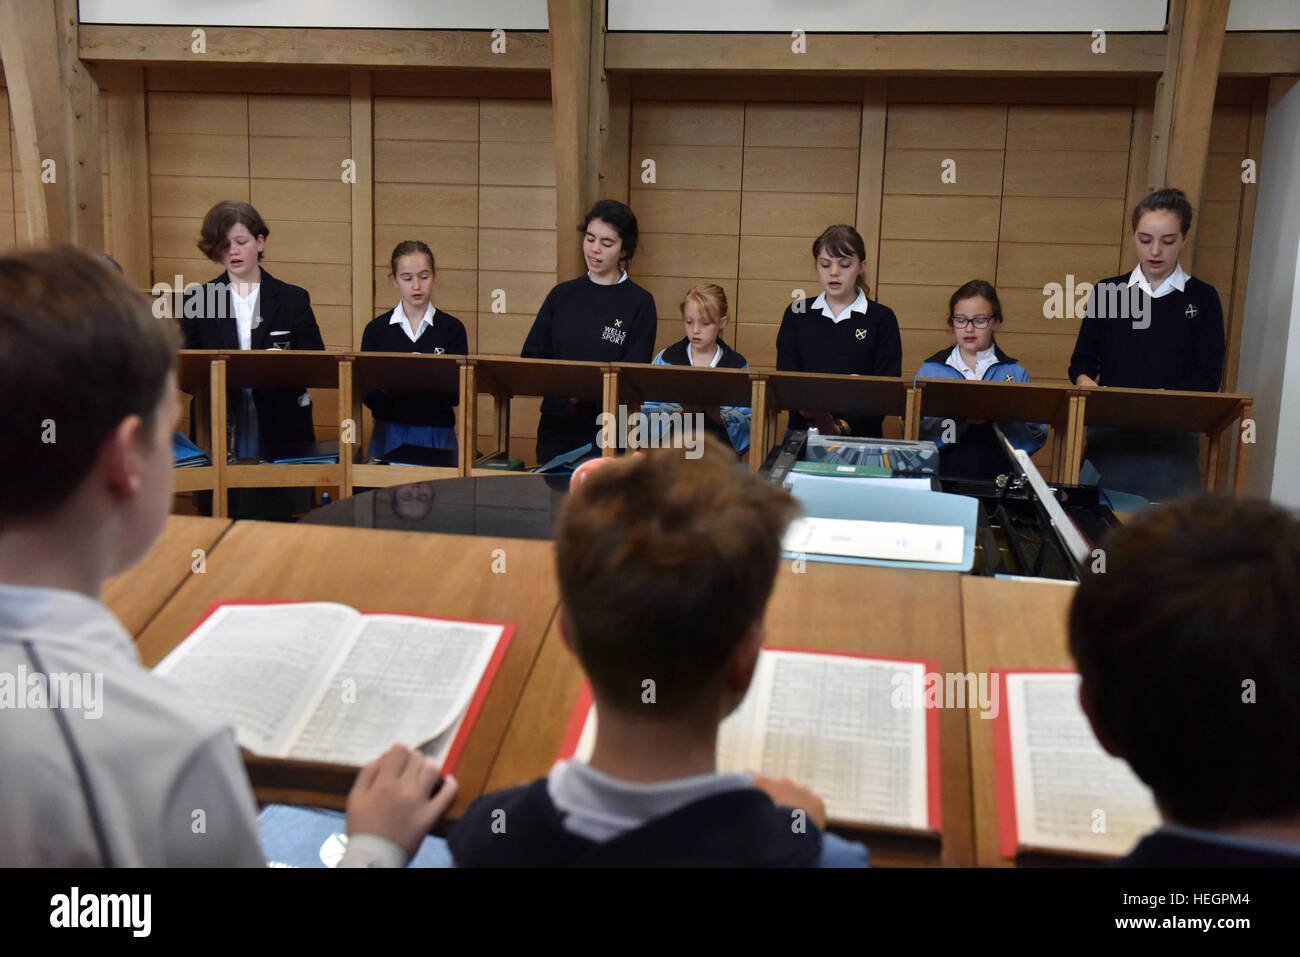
(509, 506)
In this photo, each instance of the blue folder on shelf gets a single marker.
(304, 453)
(185, 453)
(850, 499)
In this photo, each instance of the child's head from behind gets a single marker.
(704, 313)
(665, 566)
(840, 255)
(88, 394)
(1189, 650)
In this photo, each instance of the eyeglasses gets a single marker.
(979, 322)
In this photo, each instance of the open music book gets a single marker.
(317, 681)
(828, 722)
(1058, 790)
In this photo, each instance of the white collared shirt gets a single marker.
(622, 278)
(244, 310)
(717, 355)
(1175, 280)
(398, 318)
(600, 807)
(984, 359)
(858, 305)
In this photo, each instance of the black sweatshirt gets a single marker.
(859, 344)
(741, 828)
(586, 322)
(446, 334)
(1182, 348)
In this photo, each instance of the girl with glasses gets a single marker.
(968, 448)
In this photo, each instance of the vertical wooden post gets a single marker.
(1185, 102)
(218, 399)
(55, 105)
(363, 204)
(571, 79)
(123, 99)
(347, 450)
(468, 417)
(757, 422)
(81, 93)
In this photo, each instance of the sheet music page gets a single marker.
(894, 541)
(1063, 777)
(402, 678)
(828, 723)
(258, 666)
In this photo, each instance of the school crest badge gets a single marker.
(438, 350)
(861, 333)
(1191, 312)
(1008, 378)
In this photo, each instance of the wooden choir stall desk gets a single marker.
(442, 576)
(271, 368)
(1009, 626)
(841, 394)
(198, 377)
(403, 371)
(503, 378)
(1057, 406)
(1212, 413)
(137, 594)
(638, 383)
(886, 612)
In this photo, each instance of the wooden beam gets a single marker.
(81, 94)
(363, 205)
(55, 106)
(571, 70)
(871, 173)
(525, 49)
(1247, 53)
(123, 101)
(1162, 114)
(1204, 22)
(879, 54)
(1245, 232)
(29, 49)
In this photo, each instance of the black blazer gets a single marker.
(287, 321)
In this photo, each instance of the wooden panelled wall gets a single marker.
(745, 175)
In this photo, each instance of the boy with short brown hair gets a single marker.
(665, 568)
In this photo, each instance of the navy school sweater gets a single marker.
(583, 321)
(446, 334)
(521, 827)
(860, 344)
(1182, 348)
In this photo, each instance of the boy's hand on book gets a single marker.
(786, 793)
(394, 798)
